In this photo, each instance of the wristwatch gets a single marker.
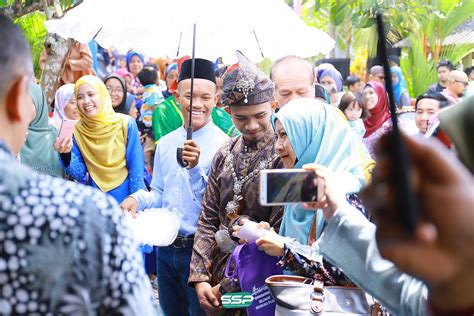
(222, 290)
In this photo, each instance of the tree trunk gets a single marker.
(58, 49)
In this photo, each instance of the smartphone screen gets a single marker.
(288, 186)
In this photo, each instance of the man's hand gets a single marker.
(65, 146)
(191, 153)
(208, 300)
(440, 250)
(130, 205)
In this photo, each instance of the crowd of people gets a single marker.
(67, 249)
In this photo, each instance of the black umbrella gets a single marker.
(406, 199)
(189, 131)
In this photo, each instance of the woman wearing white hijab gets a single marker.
(65, 106)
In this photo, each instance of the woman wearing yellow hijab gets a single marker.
(105, 143)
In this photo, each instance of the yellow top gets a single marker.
(102, 139)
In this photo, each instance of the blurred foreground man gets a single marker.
(65, 249)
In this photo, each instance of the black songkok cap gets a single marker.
(438, 96)
(246, 84)
(203, 69)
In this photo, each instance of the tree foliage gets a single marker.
(29, 16)
(425, 22)
(35, 33)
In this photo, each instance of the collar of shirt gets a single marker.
(251, 146)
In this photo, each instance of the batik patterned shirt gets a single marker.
(65, 249)
(208, 261)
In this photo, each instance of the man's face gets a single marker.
(204, 100)
(378, 77)
(292, 83)
(425, 110)
(357, 87)
(252, 121)
(459, 86)
(443, 73)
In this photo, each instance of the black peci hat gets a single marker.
(203, 69)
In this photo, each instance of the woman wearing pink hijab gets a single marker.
(65, 106)
(378, 123)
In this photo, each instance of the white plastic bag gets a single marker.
(156, 226)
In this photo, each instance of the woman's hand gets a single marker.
(65, 146)
(271, 243)
(330, 198)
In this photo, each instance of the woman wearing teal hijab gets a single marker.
(38, 152)
(316, 134)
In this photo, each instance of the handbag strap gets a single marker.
(312, 231)
(233, 258)
(317, 297)
(317, 301)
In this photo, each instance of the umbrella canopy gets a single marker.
(263, 28)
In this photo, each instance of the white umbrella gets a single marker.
(258, 28)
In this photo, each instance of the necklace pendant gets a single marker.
(232, 206)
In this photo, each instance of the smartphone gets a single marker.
(66, 130)
(288, 186)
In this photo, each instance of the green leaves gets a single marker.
(338, 12)
(6, 3)
(35, 33)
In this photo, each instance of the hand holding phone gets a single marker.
(288, 186)
(330, 197)
(66, 130)
(64, 142)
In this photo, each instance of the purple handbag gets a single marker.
(251, 268)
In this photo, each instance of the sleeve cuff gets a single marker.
(196, 173)
(66, 159)
(138, 196)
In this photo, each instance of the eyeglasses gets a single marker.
(116, 90)
(381, 77)
(465, 83)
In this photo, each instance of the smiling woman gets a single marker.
(378, 123)
(105, 144)
(309, 132)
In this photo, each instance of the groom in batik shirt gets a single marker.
(233, 187)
